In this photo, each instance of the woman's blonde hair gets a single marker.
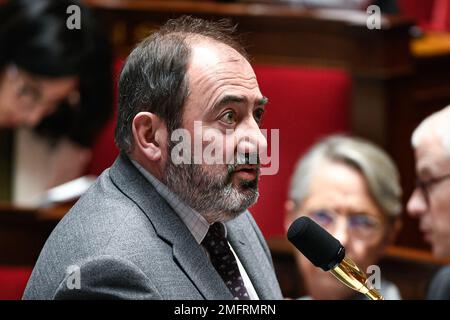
(377, 168)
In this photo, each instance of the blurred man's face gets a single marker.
(431, 204)
(223, 112)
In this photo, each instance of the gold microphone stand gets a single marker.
(349, 274)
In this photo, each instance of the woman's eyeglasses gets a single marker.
(360, 226)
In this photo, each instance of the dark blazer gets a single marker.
(439, 288)
(126, 242)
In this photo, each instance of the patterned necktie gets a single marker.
(224, 261)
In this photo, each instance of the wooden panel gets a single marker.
(275, 33)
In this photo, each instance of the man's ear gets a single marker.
(150, 134)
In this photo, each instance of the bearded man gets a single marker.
(155, 228)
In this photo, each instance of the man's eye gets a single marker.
(229, 117)
(258, 114)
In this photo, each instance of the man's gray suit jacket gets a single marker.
(122, 240)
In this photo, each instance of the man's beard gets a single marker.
(212, 194)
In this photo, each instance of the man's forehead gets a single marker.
(203, 59)
(210, 53)
(211, 66)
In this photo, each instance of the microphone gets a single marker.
(327, 253)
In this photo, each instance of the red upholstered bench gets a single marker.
(305, 104)
(13, 281)
(430, 15)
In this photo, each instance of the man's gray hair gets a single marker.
(377, 168)
(154, 77)
(437, 123)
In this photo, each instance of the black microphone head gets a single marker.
(315, 243)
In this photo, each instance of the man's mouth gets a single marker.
(247, 172)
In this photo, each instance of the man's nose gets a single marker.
(251, 140)
(416, 205)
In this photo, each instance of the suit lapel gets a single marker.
(189, 255)
(252, 257)
(196, 266)
(201, 272)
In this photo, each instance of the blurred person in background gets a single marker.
(54, 80)
(430, 201)
(351, 188)
(386, 6)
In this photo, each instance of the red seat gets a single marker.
(13, 281)
(418, 10)
(305, 104)
(430, 15)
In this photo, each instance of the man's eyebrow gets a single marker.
(231, 99)
(263, 101)
(237, 99)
